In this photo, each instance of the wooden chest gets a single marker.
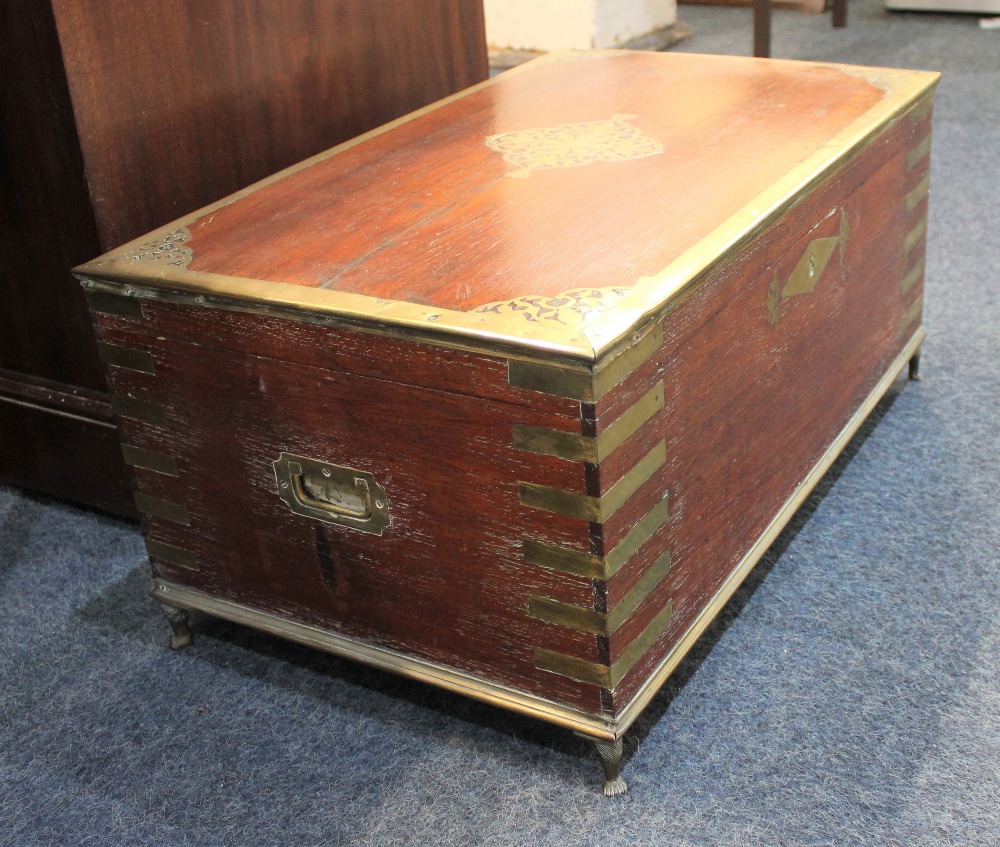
(511, 394)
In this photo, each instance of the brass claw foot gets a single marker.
(610, 753)
(180, 623)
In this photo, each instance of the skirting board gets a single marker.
(975, 7)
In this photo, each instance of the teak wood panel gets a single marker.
(446, 582)
(751, 406)
(443, 192)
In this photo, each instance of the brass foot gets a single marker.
(180, 623)
(610, 753)
(915, 368)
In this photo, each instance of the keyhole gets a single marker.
(812, 264)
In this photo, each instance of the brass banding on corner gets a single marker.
(150, 460)
(140, 410)
(155, 507)
(918, 152)
(919, 193)
(580, 383)
(598, 567)
(923, 108)
(597, 509)
(169, 553)
(606, 676)
(915, 236)
(912, 276)
(601, 623)
(126, 357)
(114, 304)
(580, 448)
(911, 314)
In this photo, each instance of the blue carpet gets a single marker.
(849, 695)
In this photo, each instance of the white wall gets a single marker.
(580, 24)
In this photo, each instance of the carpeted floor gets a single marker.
(850, 695)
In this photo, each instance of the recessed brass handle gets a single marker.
(332, 493)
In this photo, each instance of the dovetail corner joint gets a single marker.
(169, 249)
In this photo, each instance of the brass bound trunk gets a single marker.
(511, 394)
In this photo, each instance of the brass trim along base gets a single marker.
(592, 726)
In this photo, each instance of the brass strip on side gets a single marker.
(922, 109)
(597, 509)
(157, 508)
(580, 448)
(912, 276)
(140, 410)
(918, 152)
(648, 691)
(591, 725)
(126, 357)
(112, 304)
(915, 236)
(621, 367)
(600, 623)
(170, 553)
(911, 314)
(582, 384)
(150, 460)
(919, 193)
(597, 567)
(604, 675)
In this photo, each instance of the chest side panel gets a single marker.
(446, 581)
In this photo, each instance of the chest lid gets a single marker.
(547, 213)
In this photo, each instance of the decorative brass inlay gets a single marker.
(576, 307)
(805, 277)
(912, 276)
(915, 236)
(332, 493)
(157, 508)
(150, 460)
(573, 145)
(581, 384)
(169, 249)
(172, 554)
(580, 448)
(126, 357)
(918, 152)
(606, 676)
(598, 567)
(140, 410)
(114, 304)
(600, 623)
(597, 509)
(919, 193)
